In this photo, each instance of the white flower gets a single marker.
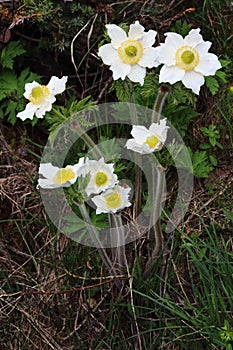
(102, 175)
(186, 59)
(129, 55)
(41, 97)
(145, 140)
(112, 200)
(54, 177)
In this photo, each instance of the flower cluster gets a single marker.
(111, 196)
(184, 59)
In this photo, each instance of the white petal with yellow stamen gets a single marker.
(112, 200)
(145, 140)
(129, 55)
(186, 59)
(102, 175)
(41, 97)
(53, 177)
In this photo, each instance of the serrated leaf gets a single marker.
(8, 81)
(201, 167)
(12, 50)
(11, 111)
(212, 84)
(221, 75)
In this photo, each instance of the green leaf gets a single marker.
(8, 81)
(229, 214)
(12, 50)
(212, 141)
(11, 110)
(26, 77)
(201, 167)
(213, 160)
(221, 75)
(212, 84)
(205, 146)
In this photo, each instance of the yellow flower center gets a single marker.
(38, 94)
(63, 175)
(151, 141)
(130, 51)
(187, 58)
(101, 178)
(113, 200)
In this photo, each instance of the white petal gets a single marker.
(48, 170)
(203, 47)
(208, 64)
(171, 74)
(140, 133)
(116, 34)
(167, 51)
(56, 85)
(107, 53)
(149, 58)
(29, 112)
(137, 74)
(193, 38)
(159, 129)
(193, 80)
(119, 69)
(136, 31)
(138, 147)
(45, 183)
(45, 106)
(29, 87)
(148, 39)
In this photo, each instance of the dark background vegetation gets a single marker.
(54, 293)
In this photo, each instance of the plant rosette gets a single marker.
(147, 141)
(129, 55)
(41, 97)
(186, 59)
(112, 200)
(102, 175)
(54, 177)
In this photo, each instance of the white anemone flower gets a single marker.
(54, 177)
(129, 55)
(186, 59)
(145, 140)
(102, 175)
(112, 200)
(41, 97)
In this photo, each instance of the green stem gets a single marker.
(158, 185)
(95, 238)
(157, 192)
(138, 162)
(158, 106)
(89, 142)
(118, 250)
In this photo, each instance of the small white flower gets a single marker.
(129, 55)
(41, 97)
(145, 140)
(54, 177)
(186, 59)
(112, 200)
(102, 175)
